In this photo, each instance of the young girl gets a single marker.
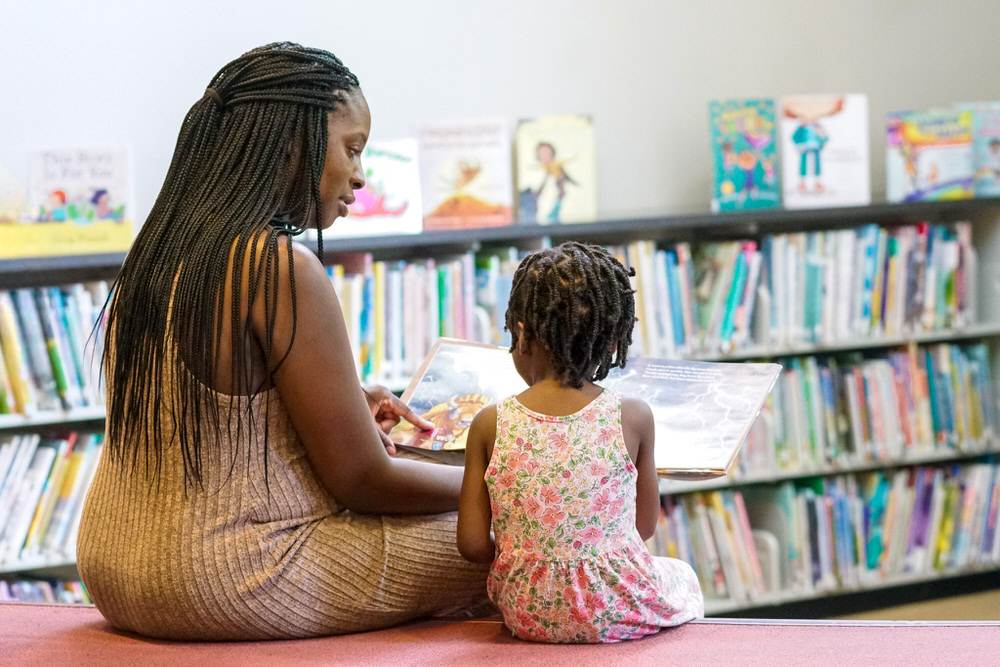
(564, 472)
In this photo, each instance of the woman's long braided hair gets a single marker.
(245, 172)
(577, 301)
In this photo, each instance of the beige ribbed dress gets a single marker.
(237, 560)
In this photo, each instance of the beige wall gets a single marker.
(120, 71)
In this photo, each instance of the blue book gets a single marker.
(812, 307)
(676, 306)
(868, 240)
(733, 300)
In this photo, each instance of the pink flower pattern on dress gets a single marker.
(571, 566)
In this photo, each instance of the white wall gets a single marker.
(104, 72)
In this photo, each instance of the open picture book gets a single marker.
(703, 410)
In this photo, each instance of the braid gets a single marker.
(245, 173)
(577, 301)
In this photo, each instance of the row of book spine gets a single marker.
(860, 530)
(43, 482)
(802, 287)
(50, 348)
(711, 531)
(829, 413)
(45, 591)
(691, 299)
(846, 532)
(433, 297)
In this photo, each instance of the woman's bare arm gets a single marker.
(320, 390)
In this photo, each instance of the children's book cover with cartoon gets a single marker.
(390, 201)
(986, 148)
(465, 173)
(745, 154)
(929, 155)
(79, 202)
(556, 171)
(824, 151)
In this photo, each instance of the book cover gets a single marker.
(703, 410)
(744, 154)
(824, 151)
(465, 173)
(929, 155)
(390, 201)
(79, 202)
(556, 170)
(986, 149)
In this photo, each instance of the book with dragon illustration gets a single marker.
(465, 173)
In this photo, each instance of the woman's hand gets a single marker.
(387, 410)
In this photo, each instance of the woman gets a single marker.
(245, 490)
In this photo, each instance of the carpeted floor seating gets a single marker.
(33, 634)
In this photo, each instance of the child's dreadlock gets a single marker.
(577, 301)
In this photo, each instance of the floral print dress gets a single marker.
(570, 565)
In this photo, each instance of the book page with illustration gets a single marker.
(703, 410)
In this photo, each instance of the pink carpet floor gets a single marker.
(32, 634)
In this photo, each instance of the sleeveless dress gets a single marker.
(570, 565)
(239, 560)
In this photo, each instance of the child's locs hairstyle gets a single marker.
(245, 172)
(577, 301)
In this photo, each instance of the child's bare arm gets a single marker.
(638, 428)
(475, 539)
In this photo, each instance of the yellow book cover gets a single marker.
(556, 169)
(79, 202)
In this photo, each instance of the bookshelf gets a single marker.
(984, 218)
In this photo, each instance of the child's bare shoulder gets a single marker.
(485, 418)
(635, 408)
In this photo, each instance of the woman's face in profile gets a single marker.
(348, 127)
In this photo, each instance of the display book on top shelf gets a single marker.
(815, 470)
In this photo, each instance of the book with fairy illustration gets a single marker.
(703, 409)
(555, 169)
(744, 155)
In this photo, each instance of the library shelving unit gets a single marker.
(780, 597)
